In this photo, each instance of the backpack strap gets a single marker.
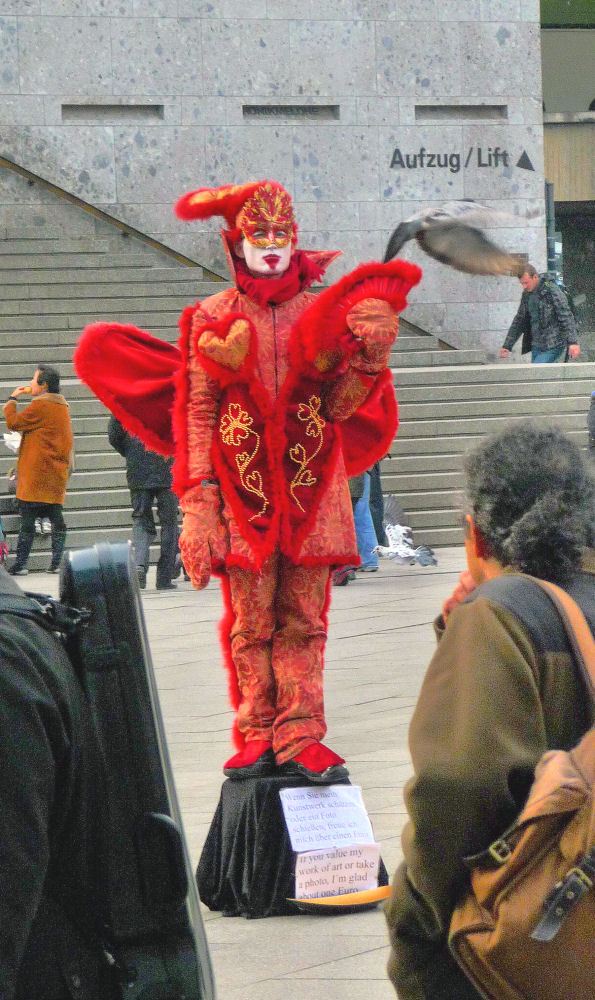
(579, 634)
(47, 612)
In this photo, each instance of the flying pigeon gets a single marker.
(401, 546)
(451, 234)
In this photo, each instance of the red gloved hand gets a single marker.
(375, 323)
(204, 541)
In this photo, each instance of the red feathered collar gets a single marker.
(300, 274)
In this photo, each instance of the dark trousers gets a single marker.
(377, 504)
(144, 530)
(29, 511)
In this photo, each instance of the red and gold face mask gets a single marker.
(267, 219)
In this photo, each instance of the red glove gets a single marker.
(204, 541)
(375, 323)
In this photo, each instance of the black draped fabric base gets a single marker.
(247, 865)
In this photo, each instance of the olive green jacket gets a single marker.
(491, 704)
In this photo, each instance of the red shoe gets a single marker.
(256, 760)
(317, 764)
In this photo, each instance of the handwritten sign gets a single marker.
(332, 816)
(336, 872)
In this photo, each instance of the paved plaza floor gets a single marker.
(380, 642)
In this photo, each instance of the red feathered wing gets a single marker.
(133, 374)
(368, 434)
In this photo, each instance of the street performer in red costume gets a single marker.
(280, 394)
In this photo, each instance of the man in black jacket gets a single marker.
(50, 808)
(544, 320)
(149, 480)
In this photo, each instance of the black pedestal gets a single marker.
(247, 865)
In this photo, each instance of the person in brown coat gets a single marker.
(44, 462)
(502, 687)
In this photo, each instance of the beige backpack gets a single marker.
(526, 929)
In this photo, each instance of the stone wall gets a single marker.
(367, 110)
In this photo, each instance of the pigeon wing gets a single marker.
(466, 249)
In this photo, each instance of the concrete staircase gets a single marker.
(445, 410)
(50, 289)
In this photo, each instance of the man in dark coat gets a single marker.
(544, 320)
(149, 480)
(50, 802)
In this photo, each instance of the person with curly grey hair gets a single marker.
(501, 689)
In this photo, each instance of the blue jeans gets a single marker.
(547, 357)
(364, 528)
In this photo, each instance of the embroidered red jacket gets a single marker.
(261, 400)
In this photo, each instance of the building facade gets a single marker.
(366, 110)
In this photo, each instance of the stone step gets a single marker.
(97, 497)
(57, 246)
(502, 372)
(69, 386)
(99, 480)
(401, 463)
(147, 305)
(445, 517)
(401, 483)
(451, 428)
(41, 261)
(23, 299)
(490, 392)
(438, 538)
(86, 461)
(409, 342)
(39, 560)
(439, 358)
(113, 517)
(417, 500)
(79, 278)
(443, 444)
(22, 371)
(161, 321)
(410, 413)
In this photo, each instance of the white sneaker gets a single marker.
(46, 525)
(38, 528)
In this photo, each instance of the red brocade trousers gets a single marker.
(277, 647)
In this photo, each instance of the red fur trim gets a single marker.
(333, 559)
(224, 627)
(218, 370)
(304, 269)
(181, 481)
(324, 323)
(368, 434)
(133, 374)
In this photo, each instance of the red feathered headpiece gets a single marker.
(240, 205)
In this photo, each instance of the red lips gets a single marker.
(272, 259)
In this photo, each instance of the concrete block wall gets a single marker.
(129, 103)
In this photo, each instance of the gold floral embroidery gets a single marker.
(308, 413)
(236, 426)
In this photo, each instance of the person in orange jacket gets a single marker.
(280, 394)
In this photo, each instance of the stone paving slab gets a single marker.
(380, 642)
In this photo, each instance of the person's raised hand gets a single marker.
(463, 588)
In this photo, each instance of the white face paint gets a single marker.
(266, 262)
